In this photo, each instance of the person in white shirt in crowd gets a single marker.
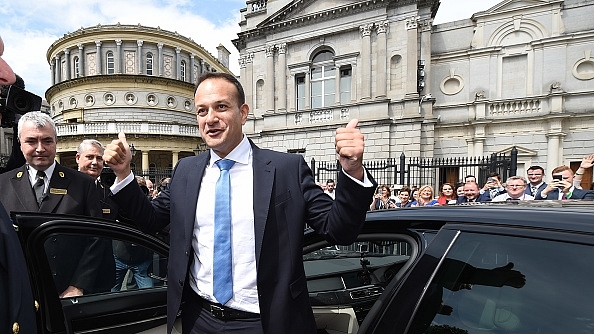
(535, 178)
(561, 187)
(493, 186)
(330, 185)
(515, 187)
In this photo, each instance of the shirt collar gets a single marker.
(48, 172)
(240, 153)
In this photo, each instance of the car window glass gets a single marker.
(496, 284)
(99, 265)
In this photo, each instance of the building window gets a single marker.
(149, 64)
(260, 94)
(110, 63)
(300, 91)
(300, 151)
(345, 84)
(323, 86)
(76, 67)
(183, 70)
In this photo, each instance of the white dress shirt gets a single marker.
(245, 290)
(48, 175)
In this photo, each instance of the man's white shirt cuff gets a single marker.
(117, 186)
(365, 183)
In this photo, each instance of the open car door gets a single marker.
(123, 272)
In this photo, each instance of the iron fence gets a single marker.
(421, 171)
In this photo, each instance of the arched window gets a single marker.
(110, 63)
(396, 73)
(260, 94)
(149, 64)
(323, 85)
(76, 67)
(183, 70)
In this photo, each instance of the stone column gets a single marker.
(145, 161)
(174, 158)
(381, 70)
(53, 71)
(553, 141)
(118, 60)
(242, 75)
(270, 78)
(282, 74)
(67, 64)
(192, 65)
(159, 60)
(57, 69)
(178, 63)
(57, 158)
(139, 58)
(425, 27)
(365, 31)
(81, 60)
(249, 79)
(98, 58)
(412, 56)
(292, 92)
(354, 84)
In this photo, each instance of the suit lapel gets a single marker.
(193, 183)
(23, 189)
(56, 191)
(264, 173)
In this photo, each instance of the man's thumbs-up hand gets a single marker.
(350, 144)
(117, 156)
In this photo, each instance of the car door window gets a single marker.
(92, 265)
(504, 284)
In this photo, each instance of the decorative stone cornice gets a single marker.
(282, 48)
(412, 22)
(270, 50)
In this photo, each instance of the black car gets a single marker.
(495, 268)
(523, 267)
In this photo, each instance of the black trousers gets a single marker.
(196, 320)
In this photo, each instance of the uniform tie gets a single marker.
(222, 260)
(39, 186)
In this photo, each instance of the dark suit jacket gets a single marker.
(16, 299)
(576, 194)
(78, 261)
(528, 190)
(285, 199)
(484, 197)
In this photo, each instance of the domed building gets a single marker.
(131, 78)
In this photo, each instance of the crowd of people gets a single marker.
(564, 184)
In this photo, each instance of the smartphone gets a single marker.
(558, 177)
(490, 180)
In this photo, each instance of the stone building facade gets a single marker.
(517, 74)
(136, 79)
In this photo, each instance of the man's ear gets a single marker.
(244, 110)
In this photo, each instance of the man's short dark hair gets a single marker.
(231, 78)
(329, 181)
(536, 167)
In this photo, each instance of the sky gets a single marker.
(29, 27)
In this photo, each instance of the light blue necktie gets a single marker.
(222, 263)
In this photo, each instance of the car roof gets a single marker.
(572, 215)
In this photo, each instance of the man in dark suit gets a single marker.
(535, 181)
(561, 187)
(272, 197)
(472, 194)
(17, 308)
(75, 260)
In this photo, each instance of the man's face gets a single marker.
(7, 76)
(404, 196)
(535, 176)
(220, 118)
(149, 185)
(90, 161)
(471, 190)
(515, 188)
(330, 186)
(470, 179)
(38, 145)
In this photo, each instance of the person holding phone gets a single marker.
(561, 187)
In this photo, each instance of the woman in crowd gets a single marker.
(425, 197)
(381, 199)
(459, 189)
(447, 195)
(404, 196)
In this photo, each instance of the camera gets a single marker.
(15, 100)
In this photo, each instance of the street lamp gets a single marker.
(200, 148)
(133, 150)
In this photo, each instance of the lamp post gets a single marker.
(133, 150)
(200, 148)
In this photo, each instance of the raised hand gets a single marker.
(350, 143)
(117, 156)
(587, 161)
